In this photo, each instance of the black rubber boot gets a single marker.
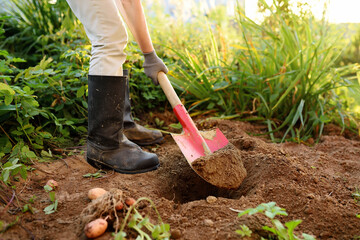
(107, 145)
(133, 131)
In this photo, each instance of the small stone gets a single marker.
(183, 220)
(310, 196)
(308, 210)
(176, 234)
(208, 222)
(282, 151)
(211, 199)
(311, 141)
(325, 234)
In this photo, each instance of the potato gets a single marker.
(119, 206)
(95, 228)
(52, 183)
(96, 192)
(130, 201)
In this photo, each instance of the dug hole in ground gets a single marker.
(313, 183)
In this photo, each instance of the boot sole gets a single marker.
(99, 165)
(148, 143)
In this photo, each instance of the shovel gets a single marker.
(193, 143)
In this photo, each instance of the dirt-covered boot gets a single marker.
(107, 145)
(133, 131)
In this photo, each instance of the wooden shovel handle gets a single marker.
(168, 89)
(181, 113)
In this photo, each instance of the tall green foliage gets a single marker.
(34, 28)
(283, 73)
(41, 107)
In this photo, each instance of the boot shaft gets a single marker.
(106, 99)
(128, 119)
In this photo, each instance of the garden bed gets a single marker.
(313, 183)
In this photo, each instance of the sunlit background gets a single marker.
(338, 11)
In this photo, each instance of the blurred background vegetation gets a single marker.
(292, 72)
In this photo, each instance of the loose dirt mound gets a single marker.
(223, 168)
(313, 183)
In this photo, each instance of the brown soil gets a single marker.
(313, 183)
(223, 168)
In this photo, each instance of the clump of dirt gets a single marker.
(223, 168)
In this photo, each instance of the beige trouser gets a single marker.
(107, 33)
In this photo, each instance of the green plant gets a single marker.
(134, 220)
(283, 73)
(98, 174)
(41, 106)
(351, 54)
(356, 195)
(282, 232)
(54, 202)
(244, 231)
(34, 26)
(4, 227)
(11, 168)
(28, 207)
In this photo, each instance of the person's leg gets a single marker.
(133, 131)
(107, 145)
(107, 33)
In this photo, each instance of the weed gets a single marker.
(282, 232)
(4, 227)
(142, 225)
(11, 168)
(28, 207)
(244, 231)
(54, 202)
(356, 195)
(98, 174)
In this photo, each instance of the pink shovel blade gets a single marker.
(195, 149)
(193, 143)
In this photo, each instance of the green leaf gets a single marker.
(46, 154)
(308, 237)
(5, 175)
(49, 209)
(48, 188)
(6, 89)
(80, 92)
(280, 229)
(156, 232)
(270, 229)
(325, 119)
(244, 231)
(176, 125)
(120, 236)
(56, 205)
(52, 196)
(28, 208)
(30, 154)
(45, 134)
(8, 99)
(23, 172)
